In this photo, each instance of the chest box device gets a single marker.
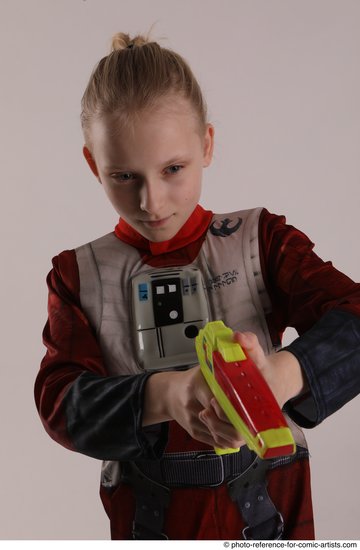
(169, 307)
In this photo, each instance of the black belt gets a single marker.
(195, 469)
(243, 472)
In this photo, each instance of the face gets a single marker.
(152, 171)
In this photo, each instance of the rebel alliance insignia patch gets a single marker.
(225, 229)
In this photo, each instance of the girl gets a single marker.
(147, 140)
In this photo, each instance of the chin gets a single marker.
(161, 234)
(159, 238)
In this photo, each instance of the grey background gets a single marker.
(282, 82)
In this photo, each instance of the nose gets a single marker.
(152, 197)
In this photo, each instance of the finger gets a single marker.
(216, 440)
(202, 392)
(216, 425)
(200, 431)
(218, 410)
(224, 433)
(204, 435)
(249, 341)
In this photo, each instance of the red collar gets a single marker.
(193, 229)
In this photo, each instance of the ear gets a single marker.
(91, 162)
(208, 144)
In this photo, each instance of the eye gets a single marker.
(174, 169)
(124, 176)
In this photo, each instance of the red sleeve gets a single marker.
(81, 407)
(71, 346)
(302, 287)
(323, 305)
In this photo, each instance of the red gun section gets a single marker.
(257, 406)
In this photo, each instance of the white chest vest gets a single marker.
(228, 261)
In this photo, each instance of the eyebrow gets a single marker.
(178, 158)
(173, 160)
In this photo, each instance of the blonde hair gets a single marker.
(133, 77)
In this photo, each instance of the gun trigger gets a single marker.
(231, 352)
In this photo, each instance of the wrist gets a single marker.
(288, 370)
(156, 406)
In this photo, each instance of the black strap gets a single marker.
(151, 501)
(248, 490)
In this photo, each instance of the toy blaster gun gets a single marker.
(242, 393)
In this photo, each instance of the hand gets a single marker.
(225, 436)
(281, 371)
(186, 398)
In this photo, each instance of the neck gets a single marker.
(193, 229)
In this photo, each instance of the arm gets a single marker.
(323, 305)
(80, 406)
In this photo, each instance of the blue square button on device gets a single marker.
(143, 292)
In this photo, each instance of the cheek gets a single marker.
(121, 199)
(192, 194)
(192, 188)
(194, 191)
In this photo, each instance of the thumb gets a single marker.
(250, 343)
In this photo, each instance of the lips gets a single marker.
(156, 223)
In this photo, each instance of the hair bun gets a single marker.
(121, 41)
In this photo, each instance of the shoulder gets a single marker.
(65, 264)
(103, 240)
(272, 228)
(226, 224)
(64, 275)
(245, 213)
(103, 248)
(66, 261)
(275, 232)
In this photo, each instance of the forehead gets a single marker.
(164, 126)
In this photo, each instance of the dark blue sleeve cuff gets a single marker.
(104, 418)
(329, 354)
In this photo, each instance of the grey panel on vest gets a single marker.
(169, 307)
